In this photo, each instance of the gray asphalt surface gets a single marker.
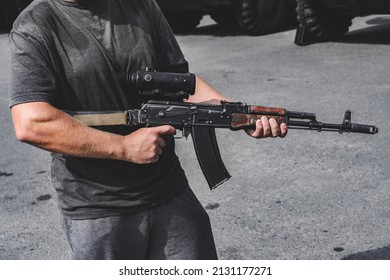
(308, 196)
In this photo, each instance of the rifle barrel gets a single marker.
(319, 126)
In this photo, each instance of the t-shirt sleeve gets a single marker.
(31, 77)
(172, 56)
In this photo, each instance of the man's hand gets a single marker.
(146, 144)
(267, 128)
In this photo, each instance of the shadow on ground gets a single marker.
(377, 254)
(377, 33)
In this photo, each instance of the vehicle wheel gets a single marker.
(181, 22)
(224, 16)
(259, 17)
(322, 23)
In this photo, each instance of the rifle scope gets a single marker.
(159, 84)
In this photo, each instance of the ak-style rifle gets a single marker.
(200, 120)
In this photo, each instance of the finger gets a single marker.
(161, 142)
(266, 126)
(154, 159)
(166, 129)
(283, 130)
(275, 129)
(159, 151)
(258, 132)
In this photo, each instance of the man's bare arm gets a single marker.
(42, 125)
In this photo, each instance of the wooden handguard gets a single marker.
(240, 121)
(262, 110)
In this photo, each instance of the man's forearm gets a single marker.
(205, 93)
(46, 127)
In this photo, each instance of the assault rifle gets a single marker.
(200, 120)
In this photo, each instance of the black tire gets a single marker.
(182, 22)
(322, 23)
(259, 17)
(224, 15)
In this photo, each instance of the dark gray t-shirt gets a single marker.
(68, 54)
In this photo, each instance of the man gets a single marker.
(121, 191)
